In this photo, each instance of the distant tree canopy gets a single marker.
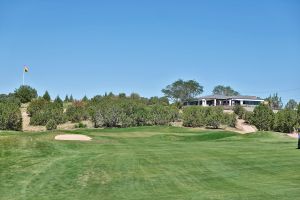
(274, 101)
(26, 93)
(181, 91)
(46, 96)
(225, 90)
(291, 104)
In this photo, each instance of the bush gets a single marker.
(229, 119)
(77, 112)
(112, 111)
(160, 115)
(80, 125)
(51, 125)
(10, 117)
(47, 112)
(285, 121)
(36, 106)
(26, 93)
(239, 111)
(11, 98)
(214, 117)
(194, 116)
(263, 117)
(197, 116)
(248, 117)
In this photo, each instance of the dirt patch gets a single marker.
(73, 137)
(244, 127)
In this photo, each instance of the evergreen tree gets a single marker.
(58, 100)
(66, 99)
(71, 98)
(46, 96)
(85, 99)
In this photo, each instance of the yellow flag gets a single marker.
(26, 69)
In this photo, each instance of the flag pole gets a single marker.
(23, 76)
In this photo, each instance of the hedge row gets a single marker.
(213, 117)
(265, 119)
(42, 111)
(125, 112)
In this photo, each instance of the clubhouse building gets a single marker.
(226, 101)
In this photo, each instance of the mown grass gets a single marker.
(149, 163)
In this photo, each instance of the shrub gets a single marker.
(10, 117)
(229, 119)
(194, 116)
(160, 115)
(11, 98)
(77, 112)
(80, 125)
(26, 93)
(248, 117)
(239, 111)
(51, 125)
(214, 117)
(263, 117)
(285, 120)
(50, 111)
(197, 116)
(36, 106)
(112, 111)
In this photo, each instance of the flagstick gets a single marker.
(23, 76)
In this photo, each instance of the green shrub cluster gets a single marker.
(285, 120)
(25, 93)
(112, 111)
(42, 111)
(10, 98)
(213, 117)
(51, 125)
(10, 116)
(77, 111)
(80, 125)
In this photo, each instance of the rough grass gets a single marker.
(149, 163)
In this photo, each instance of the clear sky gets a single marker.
(89, 47)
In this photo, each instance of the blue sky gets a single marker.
(89, 47)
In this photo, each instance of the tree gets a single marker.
(224, 90)
(122, 95)
(285, 121)
(85, 99)
(135, 96)
(58, 101)
(291, 104)
(66, 99)
(71, 98)
(26, 93)
(274, 101)
(181, 91)
(263, 117)
(46, 96)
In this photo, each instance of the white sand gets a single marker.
(73, 137)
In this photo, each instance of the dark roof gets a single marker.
(230, 97)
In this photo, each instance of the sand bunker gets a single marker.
(73, 137)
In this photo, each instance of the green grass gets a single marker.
(149, 163)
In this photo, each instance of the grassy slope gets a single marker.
(149, 163)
